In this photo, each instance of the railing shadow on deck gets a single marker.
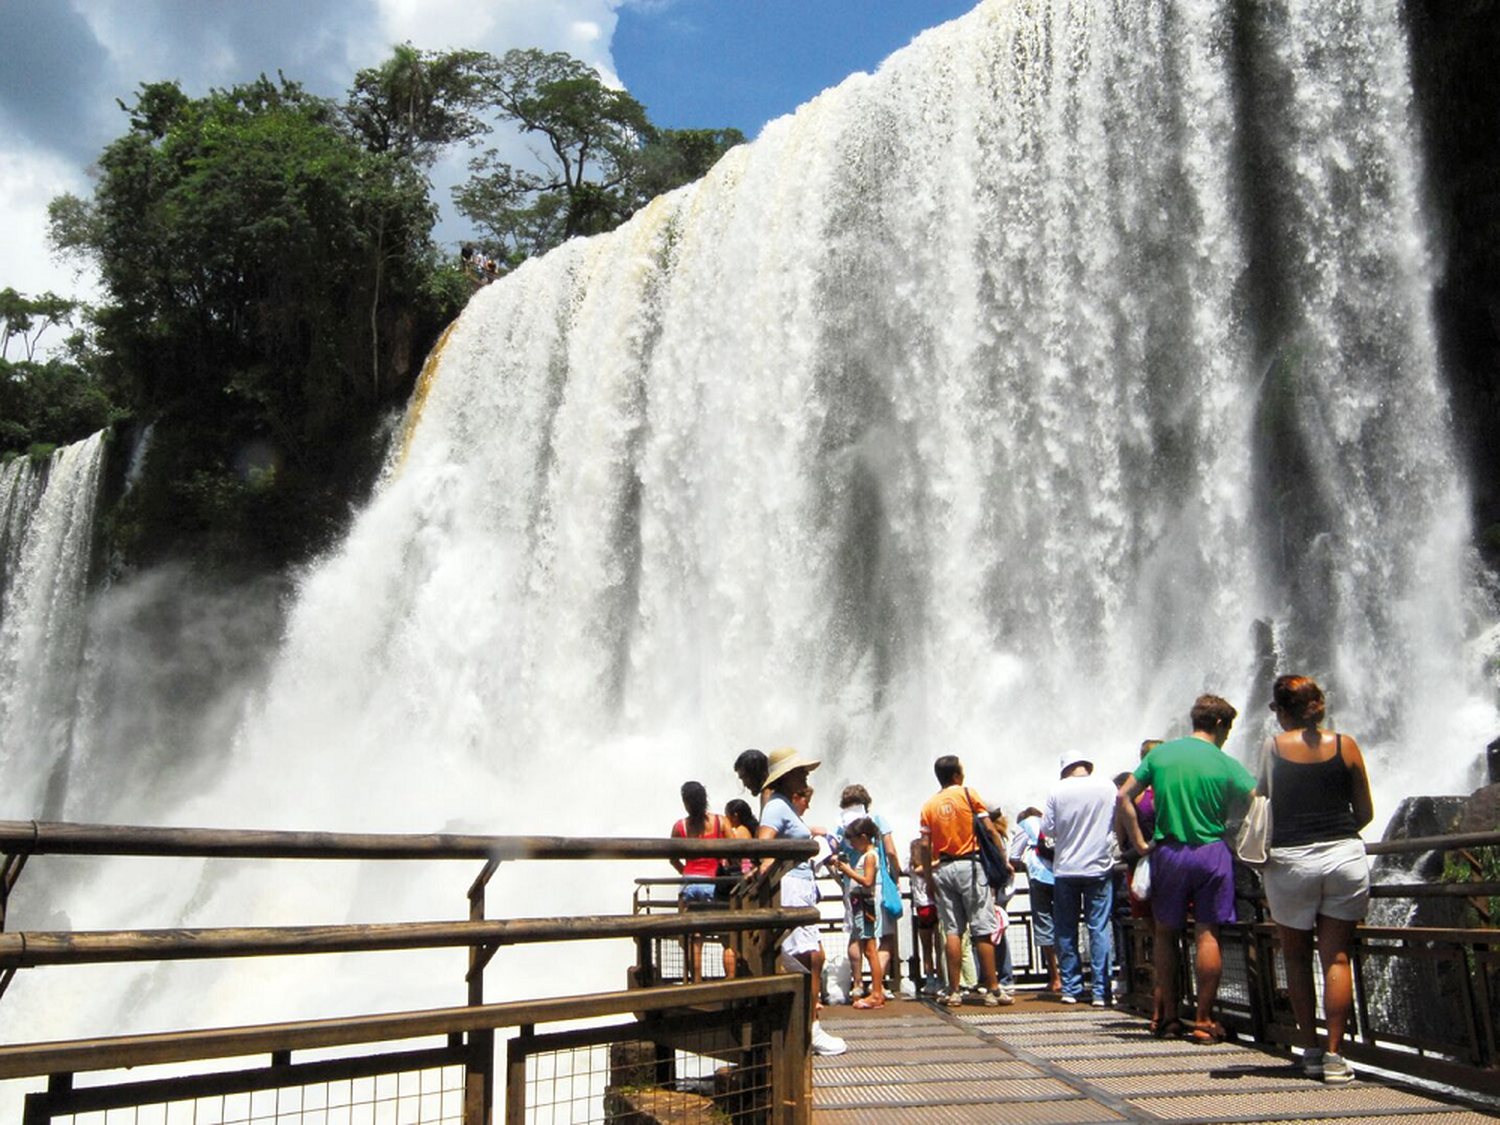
(752, 1034)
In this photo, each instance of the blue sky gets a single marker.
(711, 63)
(692, 63)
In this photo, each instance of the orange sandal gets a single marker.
(867, 1003)
(1206, 1034)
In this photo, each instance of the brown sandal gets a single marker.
(1168, 1029)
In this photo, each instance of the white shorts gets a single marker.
(1331, 879)
(804, 939)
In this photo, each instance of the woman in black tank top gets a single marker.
(1317, 878)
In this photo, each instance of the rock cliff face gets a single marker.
(1458, 94)
(1415, 817)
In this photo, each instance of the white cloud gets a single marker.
(29, 180)
(117, 44)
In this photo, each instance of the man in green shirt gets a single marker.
(1197, 789)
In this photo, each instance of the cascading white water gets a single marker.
(935, 412)
(955, 414)
(46, 543)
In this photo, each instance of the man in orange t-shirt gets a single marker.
(955, 879)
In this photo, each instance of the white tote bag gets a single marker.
(1252, 840)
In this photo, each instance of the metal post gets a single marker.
(1255, 985)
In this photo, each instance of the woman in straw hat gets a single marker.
(802, 948)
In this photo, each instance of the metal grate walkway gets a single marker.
(1040, 1063)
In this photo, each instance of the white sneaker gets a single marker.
(1100, 1002)
(1336, 1069)
(1067, 998)
(825, 1044)
(991, 999)
(1005, 996)
(930, 986)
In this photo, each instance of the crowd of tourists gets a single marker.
(1169, 842)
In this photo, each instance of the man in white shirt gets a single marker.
(1079, 823)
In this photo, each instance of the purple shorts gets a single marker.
(1200, 875)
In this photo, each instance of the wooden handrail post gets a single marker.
(515, 1079)
(479, 1073)
(799, 1053)
(10, 871)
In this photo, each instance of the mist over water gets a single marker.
(997, 404)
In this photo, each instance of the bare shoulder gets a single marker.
(1354, 757)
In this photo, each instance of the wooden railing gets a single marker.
(759, 1025)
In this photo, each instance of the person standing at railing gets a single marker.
(1198, 788)
(743, 825)
(699, 824)
(862, 836)
(854, 804)
(1079, 818)
(1026, 856)
(1005, 968)
(751, 767)
(949, 821)
(802, 947)
(924, 920)
(1317, 878)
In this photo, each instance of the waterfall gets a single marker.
(995, 403)
(985, 404)
(46, 545)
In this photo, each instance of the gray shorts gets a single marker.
(1331, 878)
(964, 900)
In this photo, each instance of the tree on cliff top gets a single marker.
(248, 242)
(602, 161)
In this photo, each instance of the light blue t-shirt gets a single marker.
(780, 815)
(1023, 846)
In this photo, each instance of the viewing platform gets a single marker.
(1043, 1063)
(664, 1049)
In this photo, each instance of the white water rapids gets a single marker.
(983, 406)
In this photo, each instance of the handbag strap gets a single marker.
(1268, 758)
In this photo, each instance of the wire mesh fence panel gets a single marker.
(671, 957)
(421, 1097)
(1418, 993)
(710, 1077)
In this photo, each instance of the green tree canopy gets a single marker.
(603, 158)
(52, 400)
(417, 103)
(28, 318)
(267, 276)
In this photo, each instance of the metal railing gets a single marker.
(758, 1027)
